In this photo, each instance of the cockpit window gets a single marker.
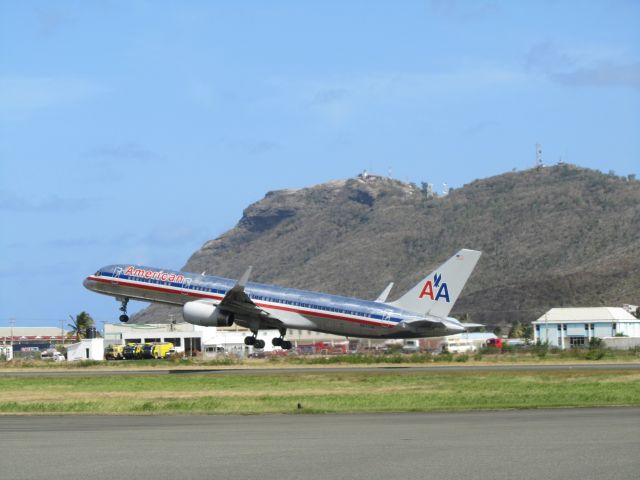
(97, 274)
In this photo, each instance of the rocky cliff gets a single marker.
(555, 236)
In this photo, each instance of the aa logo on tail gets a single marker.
(429, 288)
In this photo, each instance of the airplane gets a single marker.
(215, 301)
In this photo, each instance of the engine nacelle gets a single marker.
(206, 314)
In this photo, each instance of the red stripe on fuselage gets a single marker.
(186, 293)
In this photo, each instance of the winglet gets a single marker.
(244, 278)
(384, 294)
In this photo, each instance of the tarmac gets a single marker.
(82, 372)
(567, 444)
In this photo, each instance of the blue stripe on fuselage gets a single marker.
(321, 302)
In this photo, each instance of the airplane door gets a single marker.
(116, 274)
(186, 284)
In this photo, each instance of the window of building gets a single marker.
(576, 342)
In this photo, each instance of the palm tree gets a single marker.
(80, 323)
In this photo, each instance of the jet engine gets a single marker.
(206, 314)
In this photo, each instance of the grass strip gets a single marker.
(339, 392)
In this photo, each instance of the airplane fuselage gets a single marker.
(298, 309)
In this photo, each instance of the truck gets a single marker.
(175, 352)
(114, 352)
(458, 345)
(132, 351)
(160, 349)
(411, 346)
(495, 342)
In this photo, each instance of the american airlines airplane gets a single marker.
(215, 301)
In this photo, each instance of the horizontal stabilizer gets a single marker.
(467, 326)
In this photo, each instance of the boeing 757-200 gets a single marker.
(215, 301)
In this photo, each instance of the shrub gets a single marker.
(443, 357)
(595, 354)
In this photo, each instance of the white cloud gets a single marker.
(593, 68)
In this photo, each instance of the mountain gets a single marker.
(551, 237)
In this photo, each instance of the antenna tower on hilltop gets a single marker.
(539, 156)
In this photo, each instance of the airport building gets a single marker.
(208, 341)
(575, 327)
(32, 339)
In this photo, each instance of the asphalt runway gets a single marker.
(567, 444)
(80, 372)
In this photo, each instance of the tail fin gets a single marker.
(436, 294)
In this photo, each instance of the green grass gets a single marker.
(385, 391)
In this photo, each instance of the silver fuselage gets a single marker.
(292, 307)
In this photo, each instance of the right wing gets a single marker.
(248, 314)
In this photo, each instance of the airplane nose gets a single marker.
(87, 283)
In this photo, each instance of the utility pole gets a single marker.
(12, 322)
(62, 331)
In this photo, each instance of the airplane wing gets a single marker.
(423, 325)
(250, 315)
(237, 301)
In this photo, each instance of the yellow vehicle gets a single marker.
(159, 350)
(114, 352)
(133, 351)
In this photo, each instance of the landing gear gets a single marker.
(281, 342)
(254, 341)
(123, 308)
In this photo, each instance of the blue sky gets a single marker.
(134, 131)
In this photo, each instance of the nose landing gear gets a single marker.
(123, 308)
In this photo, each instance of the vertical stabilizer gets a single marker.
(436, 294)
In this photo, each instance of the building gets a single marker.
(182, 335)
(575, 327)
(26, 340)
(86, 349)
(6, 352)
(209, 341)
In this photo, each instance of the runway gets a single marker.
(81, 372)
(567, 444)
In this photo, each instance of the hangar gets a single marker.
(206, 340)
(575, 327)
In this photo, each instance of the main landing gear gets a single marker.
(276, 341)
(123, 308)
(253, 340)
(281, 342)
